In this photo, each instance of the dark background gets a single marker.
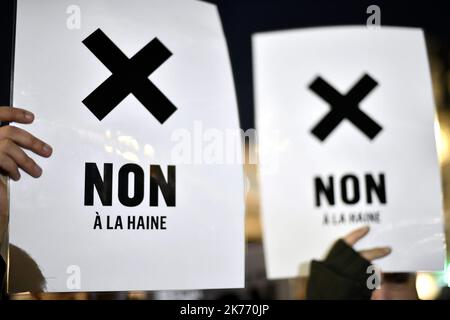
(241, 18)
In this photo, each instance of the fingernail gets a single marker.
(46, 148)
(38, 170)
(17, 177)
(29, 115)
(388, 250)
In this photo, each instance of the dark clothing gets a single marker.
(2, 278)
(342, 275)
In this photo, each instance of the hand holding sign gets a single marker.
(369, 254)
(12, 157)
(12, 142)
(345, 273)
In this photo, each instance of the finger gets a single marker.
(9, 167)
(356, 235)
(20, 158)
(8, 114)
(25, 140)
(376, 253)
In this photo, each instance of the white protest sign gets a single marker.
(345, 120)
(116, 87)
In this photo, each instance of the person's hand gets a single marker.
(13, 141)
(369, 254)
(3, 213)
(343, 273)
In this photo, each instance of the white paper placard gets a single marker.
(345, 120)
(59, 63)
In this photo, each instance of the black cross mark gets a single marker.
(345, 107)
(128, 76)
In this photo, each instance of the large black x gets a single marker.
(128, 76)
(345, 107)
